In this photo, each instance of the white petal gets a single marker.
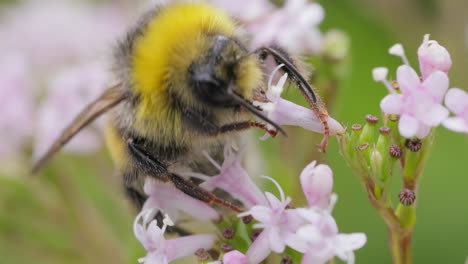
(392, 104)
(435, 115)
(261, 213)
(186, 246)
(456, 100)
(407, 78)
(347, 243)
(260, 249)
(423, 131)
(437, 84)
(408, 126)
(456, 124)
(276, 242)
(296, 242)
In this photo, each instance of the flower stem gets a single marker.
(400, 245)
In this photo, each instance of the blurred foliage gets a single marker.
(75, 212)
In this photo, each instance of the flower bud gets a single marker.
(368, 131)
(317, 184)
(432, 57)
(336, 45)
(234, 257)
(407, 197)
(395, 151)
(413, 144)
(376, 162)
(229, 232)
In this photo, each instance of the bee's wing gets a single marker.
(110, 98)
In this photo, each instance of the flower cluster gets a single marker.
(311, 230)
(418, 99)
(51, 61)
(297, 20)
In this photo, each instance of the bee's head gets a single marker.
(224, 70)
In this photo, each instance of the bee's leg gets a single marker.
(246, 125)
(202, 123)
(148, 165)
(282, 57)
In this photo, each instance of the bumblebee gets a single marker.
(186, 85)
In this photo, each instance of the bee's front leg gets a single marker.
(146, 164)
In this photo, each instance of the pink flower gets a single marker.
(246, 11)
(16, 104)
(234, 257)
(456, 101)
(165, 197)
(419, 104)
(61, 40)
(300, 35)
(70, 90)
(160, 250)
(284, 112)
(433, 57)
(279, 225)
(319, 239)
(317, 184)
(233, 179)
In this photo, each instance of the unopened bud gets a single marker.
(336, 44)
(363, 146)
(202, 255)
(247, 219)
(229, 232)
(432, 57)
(286, 260)
(384, 130)
(370, 119)
(395, 151)
(356, 127)
(407, 197)
(413, 144)
(226, 247)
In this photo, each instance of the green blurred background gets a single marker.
(74, 212)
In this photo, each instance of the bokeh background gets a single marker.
(74, 210)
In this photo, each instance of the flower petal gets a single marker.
(392, 104)
(317, 184)
(260, 248)
(456, 124)
(276, 242)
(187, 245)
(437, 84)
(456, 100)
(407, 78)
(435, 115)
(423, 131)
(408, 126)
(234, 257)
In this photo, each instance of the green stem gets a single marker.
(400, 245)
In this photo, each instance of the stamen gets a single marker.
(167, 221)
(273, 73)
(398, 50)
(216, 164)
(379, 74)
(277, 186)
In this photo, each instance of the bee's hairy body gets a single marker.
(171, 116)
(186, 86)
